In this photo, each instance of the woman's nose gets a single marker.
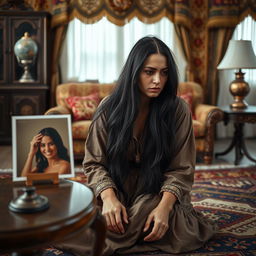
(156, 78)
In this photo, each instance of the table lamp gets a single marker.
(239, 55)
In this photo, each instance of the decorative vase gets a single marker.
(26, 50)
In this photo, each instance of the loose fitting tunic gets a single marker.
(188, 229)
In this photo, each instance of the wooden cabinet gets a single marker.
(23, 98)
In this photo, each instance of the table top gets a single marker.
(72, 207)
(251, 109)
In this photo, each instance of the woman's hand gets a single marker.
(160, 217)
(113, 211)
(35, 142)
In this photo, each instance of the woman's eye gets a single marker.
(148, 72)
(165, 73)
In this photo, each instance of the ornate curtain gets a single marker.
(193, 41)
(204, 28)
(118, 12)
(218, 40)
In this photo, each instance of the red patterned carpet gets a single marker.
(227, 196)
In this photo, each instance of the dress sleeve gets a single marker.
(95, 162)
(180, 175)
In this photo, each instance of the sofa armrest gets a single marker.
(202, 111)
(210, 116)
(58, 110)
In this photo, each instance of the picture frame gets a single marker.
(24, 130)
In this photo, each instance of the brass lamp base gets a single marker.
(239, 89)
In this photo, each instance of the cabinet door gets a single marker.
(13, 25)
(3, 51)
(28, 104)
(18, 26)
(5, 122)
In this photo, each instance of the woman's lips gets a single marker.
(48, 154)
(154, 89)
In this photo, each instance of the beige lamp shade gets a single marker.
(239, 55)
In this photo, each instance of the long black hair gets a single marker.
(41, 161)
(121, 109)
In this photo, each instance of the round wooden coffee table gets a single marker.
(72, 208)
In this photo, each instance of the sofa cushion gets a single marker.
(81, 89)
(83, 107)
(80, 129)
(199, 128)
(194, 88)
(188, 98)
(78, 148)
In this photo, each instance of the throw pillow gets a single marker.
(83, 107)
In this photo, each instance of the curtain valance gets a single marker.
(220, 13)
(118, 12)
(204, 27)
(224, 13)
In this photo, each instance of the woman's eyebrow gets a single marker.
(155, 68)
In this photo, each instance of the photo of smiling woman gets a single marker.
(49, 152)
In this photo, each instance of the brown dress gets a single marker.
(188, 229)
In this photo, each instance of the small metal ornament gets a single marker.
(29, 202)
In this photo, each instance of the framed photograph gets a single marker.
(42, 144)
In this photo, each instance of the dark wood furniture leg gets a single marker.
(215, 116)
(239, 145)
(99, 226)
(239, 117)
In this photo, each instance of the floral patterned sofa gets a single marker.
(81, 100)
(204, 116)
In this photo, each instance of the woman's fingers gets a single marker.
(36, 139)
(35, 142)
(109, 226)
(148, 221)
(119, 222)
(152, 236)
(114, 213)
(158, 231)
(112, 226)
(114, 222)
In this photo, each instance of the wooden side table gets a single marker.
(72, 208)
(239, 117)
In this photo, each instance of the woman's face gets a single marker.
(48, 148)
(153, 76)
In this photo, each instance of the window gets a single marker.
(98, 51)
(246, 30)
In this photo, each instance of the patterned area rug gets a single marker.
(228, 197)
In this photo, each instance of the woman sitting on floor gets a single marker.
(140, 159)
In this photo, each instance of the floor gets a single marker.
(220, 145)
